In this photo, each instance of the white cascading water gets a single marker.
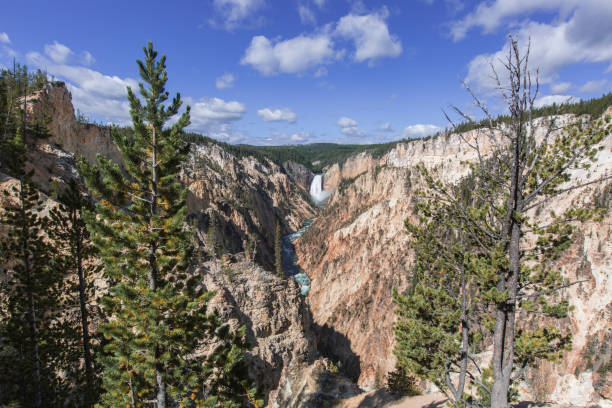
(319, 196)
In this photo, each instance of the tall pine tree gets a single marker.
(75, 256)
(278, 252)
(157, 310)
(31, 287)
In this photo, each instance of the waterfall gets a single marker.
(319, 196)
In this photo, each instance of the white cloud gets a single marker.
(353, 131)
(345, 122)
(277, 115)
(371, 36)
(93, 93)
(595, 86)
(306, 15)
(213, 116)
(582, 36)
(85, 78)
(58, 53)
(87, 58)
(208, 110)
(419, 130)
(300, 137)
(368, 32)
(492, 14)
(294, 55)
(386, 127)
(111, 109)
(561, 87)
(551, 99)
(279, 138)
(319, 3)
(4, 38)
(235, 12)
(225, 81)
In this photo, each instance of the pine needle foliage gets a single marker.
(31, 287)
(157, 311)
(75, 257)
(278, 252)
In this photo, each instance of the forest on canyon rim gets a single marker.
(110, 279)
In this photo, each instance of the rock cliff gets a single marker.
(246, 198)
(356, 252)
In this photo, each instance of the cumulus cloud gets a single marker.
(345, 122)
(420, 130)
(113, 110)
(595, 86)
(93, 93)
(105, 96)
(85, 78)
(225, 81)
(561, 87)
(279, 138)
(58, 53)
(4, 38)
(277, 115)
(580, 34)
(349, 127)
(215, 116)
(235, 12)
(87, 58)
(289, 56)
(207, 110)
(371, 36)
(552, 99)
(585, 36)
(353, 131)
(491, 15)
(306, 15)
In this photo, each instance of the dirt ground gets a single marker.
(380, 398)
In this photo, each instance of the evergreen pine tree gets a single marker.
(29, 351)
(157, 310)
(278, 252)
(75, 257)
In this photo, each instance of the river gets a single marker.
(290, 259)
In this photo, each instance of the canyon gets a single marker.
(334, 340)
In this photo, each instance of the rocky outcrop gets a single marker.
(356, 253)
(243, 199)
(246, 197)
(349, 169)
(80, 139)
(277, 320)
(299, 173)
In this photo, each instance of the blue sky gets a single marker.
(302, 71)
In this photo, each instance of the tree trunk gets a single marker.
(84, 318)
(465, 336)
(159, 378)
(503, 337)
